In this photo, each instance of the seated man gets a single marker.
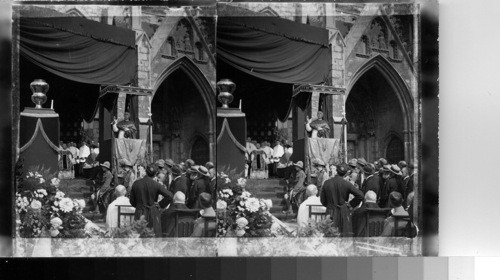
(168, 216)
(112, 212)
(358, 215)
(396, 202)
(205, 201)
(312, 199)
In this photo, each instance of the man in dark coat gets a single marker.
(371, 182)
(179, 182)
(392, 184)
(359, 215)
(335, 195)
(144, 196)
(168, 216)
(198, 186)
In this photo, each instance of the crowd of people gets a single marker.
(156, 191)
(264, 161)
(346, 191)
(79, 161)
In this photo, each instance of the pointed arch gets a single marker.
(269, 11)
(400, 88)
(203, 86)
(75, 12)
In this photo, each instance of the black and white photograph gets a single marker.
(227, 129)
(116, 135)
(319, 128)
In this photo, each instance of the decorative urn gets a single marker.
(226, 88)
(39, 88)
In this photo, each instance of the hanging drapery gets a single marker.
(78, 49)
(274, 49)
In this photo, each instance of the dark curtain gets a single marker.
(80, 50)
(274, 49)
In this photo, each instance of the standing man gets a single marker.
(125, 128)
(335, 195)
(296, 195)
(198, 186)
(103, 191)
(371, 182)
(143, 197)
(128, 175)
(278, 152)
(179, 183)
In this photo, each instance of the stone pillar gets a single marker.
(314, 108)
(120, 105)
(212, 146)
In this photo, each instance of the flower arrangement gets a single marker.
(44, 210)
(238, 213)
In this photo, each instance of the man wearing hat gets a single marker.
(361, 178)
(198, 186)
(103, 192)
(390, 174)
(371, 182)
(320, 176)
(335, 195)
(144, 195)
(179, 182)
(298, 187)
(128, 175)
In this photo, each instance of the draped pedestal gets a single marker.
(39, 138)
(231, 137)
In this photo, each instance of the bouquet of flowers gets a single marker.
(42, 208)
(240, 213)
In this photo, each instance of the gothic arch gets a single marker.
(75, 12)
(202, 85)
(403, 93)
(196, 137)
(269, 11)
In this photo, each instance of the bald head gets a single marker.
(370, 196)
(179, 197)
(120, 190)
(311, 190)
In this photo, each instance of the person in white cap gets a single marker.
(312, 199)
(112, 212)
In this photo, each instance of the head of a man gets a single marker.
(179, 197)
(371, 196)
(126, 116)
(161, 177)
(395, 199)
(311, 190)
(257, 146)
(151, 170)
(212, 172)
(320, 115)
(120, 190)
(205, 200)
(342, 169)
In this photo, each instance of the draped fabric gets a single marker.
(80, 50)
(274, 49)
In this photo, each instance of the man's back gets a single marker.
(145, 192)
(179, 184)
(336, 192)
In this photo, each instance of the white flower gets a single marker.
(245, 194)
(41, 180)
(81, 203)
(242, 222)
(59, 195)
(266, 204)
(54, 232)
(240, 232)
(221, 204)
(228, 180)
(252, 204)
(242, 203)
(55, 182)
(66, 204)
(56, 222)
(242, 182)
(36, 205)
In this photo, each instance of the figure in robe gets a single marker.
(318, 127)
(259, 166)
(125, 128)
